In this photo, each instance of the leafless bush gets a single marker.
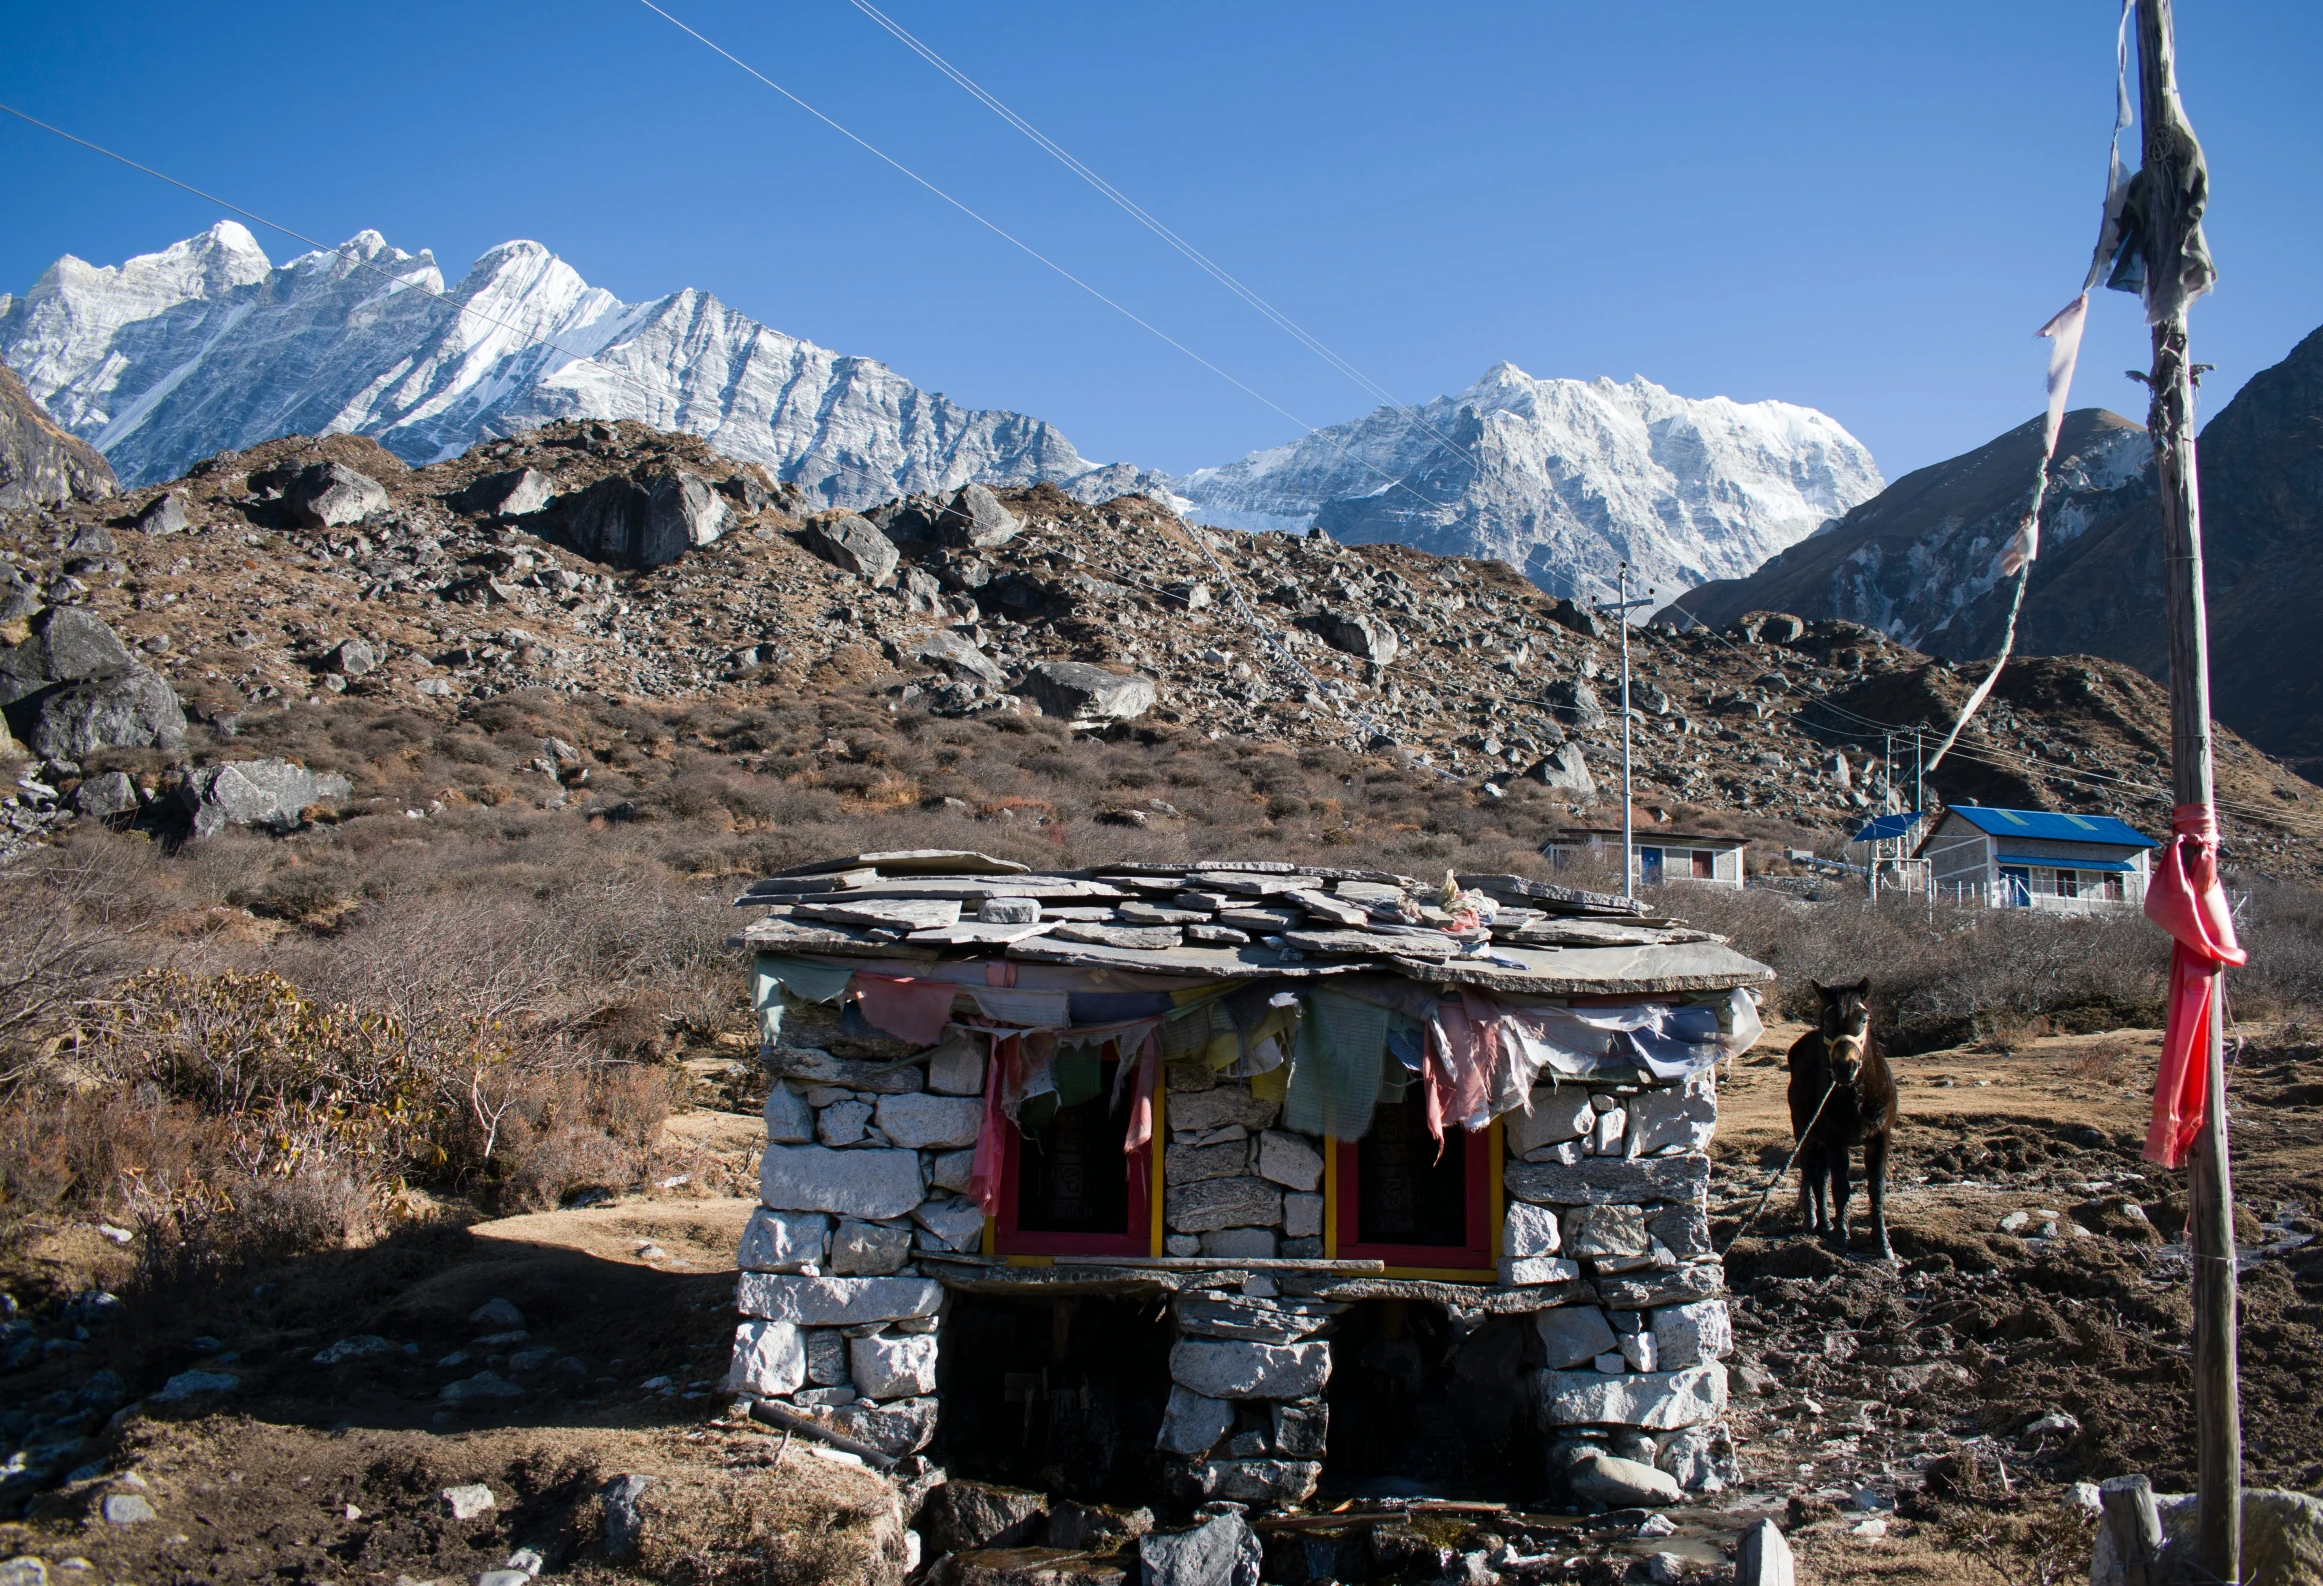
(68, 922)
(1949, 976)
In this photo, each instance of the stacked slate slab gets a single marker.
(866, 1227)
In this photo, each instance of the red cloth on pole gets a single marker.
(1149, 1062)
(908, 1009)
(2186, 900)
(984, 1167)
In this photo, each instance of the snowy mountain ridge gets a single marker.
(1562, 479)
(208, 345)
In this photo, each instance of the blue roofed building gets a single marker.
(2038, 859)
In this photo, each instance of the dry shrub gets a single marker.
(1957, 975)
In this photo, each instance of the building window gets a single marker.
(1066, 1185)
(1705, 865)
(2113, 888)
(1402, 1202)
(2068, 884)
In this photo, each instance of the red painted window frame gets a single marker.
(1475, 1256)
(1010, 1240)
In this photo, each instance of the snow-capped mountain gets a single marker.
(207, 345)
(1563, 479)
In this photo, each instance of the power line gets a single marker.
(1393, 482)
(1145, 218)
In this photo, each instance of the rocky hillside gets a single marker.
(39, 462)
(171, 356)
(1919, 560)
(609, 562)
(1561, 479)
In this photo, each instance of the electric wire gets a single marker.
(1392, 480)
(1145, 218)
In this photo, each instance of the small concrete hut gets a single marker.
(1234, 1179)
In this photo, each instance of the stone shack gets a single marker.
(1240, 1180)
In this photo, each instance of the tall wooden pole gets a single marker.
(2210, 1215)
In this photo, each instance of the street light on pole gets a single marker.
(1621, 609)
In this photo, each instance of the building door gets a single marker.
(2016, 887)
(1649, 867)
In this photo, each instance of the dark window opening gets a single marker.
(1072, 1176)
(1064, 1395)
(1404, 1193)
(1421, 1405)
(1705, 865)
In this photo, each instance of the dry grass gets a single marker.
(468, 986)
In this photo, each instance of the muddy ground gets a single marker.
(1915, 1385)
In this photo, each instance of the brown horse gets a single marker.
(1842, 1058)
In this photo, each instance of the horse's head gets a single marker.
(1845, 1020)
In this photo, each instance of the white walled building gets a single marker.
(2038, 859)
(1661, 856)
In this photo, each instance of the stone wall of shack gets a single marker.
(1604, 1249)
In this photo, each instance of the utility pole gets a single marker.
(1919, 777)
(1621, 609)
(2169, 157)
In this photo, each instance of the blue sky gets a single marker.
(1862, 208)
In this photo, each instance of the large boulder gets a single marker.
(269, 793)
(853, 545)
(1360, 635)
(1086, 694)
(977, 521)
(1565, 770)
(959, 657)
(67, 645)
(1622, 1483)
(136, 710)
(40, 463)
(1219, 1551)
(164, 514)
(326, 495)
(2282, 1539)
(1575, 703)
(960, 1516)
(648, 521)
(512, 493)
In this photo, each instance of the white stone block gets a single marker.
(1606, 1141)
(921, 1122)
(951, 1224)
(868, 1183)
(1182, 1244)
(1681, 1117)
(783, 1241)
(843, 1122)
(835, 1302)
(1592, 1231)
(1289, 1160)
(1571, 1334)
(1612, 1363)
(769, 1359)
(1231, 1102)
(1558, 1114)
(1659, 1401)
(1244, 1244)
(1529, 1231)
(956, 1068)
(1192, 1423)
(1637, 1351)
(893, 1366)
(953, 1170)
(1689, 1335)
(789, 1120)
(861, 1249)
(1302, 1216)
(1227, 1368)
(1525, 1271)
